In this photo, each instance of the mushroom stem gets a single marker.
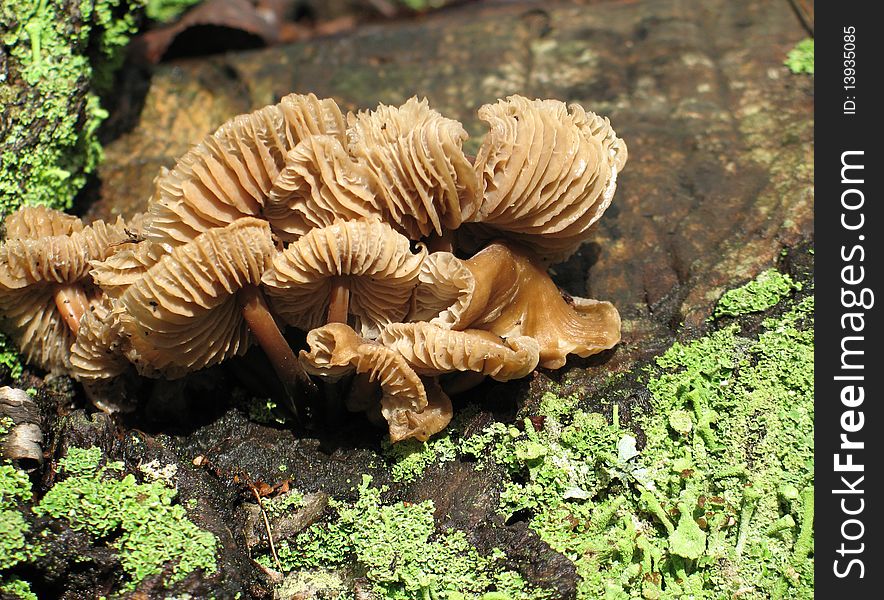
(285, 363)
(71, 301)
(338, 301)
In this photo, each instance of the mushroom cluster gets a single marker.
(414, 270)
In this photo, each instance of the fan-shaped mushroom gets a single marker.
(230, 173)
(200, 305)
(508, 293)
(410, 410)
(363, 268)
(44, 281)
(417, 167)
(546, 174)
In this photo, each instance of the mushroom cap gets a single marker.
(31, 222)
(433, 350)
(415, 161)
(444, 291)
(32, 270)
(183, 314)
(229, 174)
(376, 262)
(404, 423)
(546, 175)
(337, 350)
(129, 264)
(410, 408)
(508, 293)
(98, 352)
(320, 184)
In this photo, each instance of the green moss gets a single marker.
(397, 549)
(139, 520)
(56, 53)
(9, 357)
(283, 503)
(766, 290)
(800, 58)
(719, 500)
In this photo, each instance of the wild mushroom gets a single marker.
(432, 350)
(32, 222)
(336, 350)
(320, 184)
(230, 173)
(200, 305)
(45, 289)
(416, 165)
(360, 268)
(504, 290)
(546, 175)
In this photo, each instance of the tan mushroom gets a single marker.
(546, 175)
(416, 165)
(434, 350)
(510, 294)
(230, 173)
(320, 184)
(45, 289)
(200, 305)
(32, 222)
(410, 409)
(98, 351)
(360, 268)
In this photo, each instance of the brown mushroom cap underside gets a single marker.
(320, 184)
(414, 159)
(412, 406)
(98, 352)
(183, 314)
(434, 350)
(546, 175)
(230, 173)
(367, 256)
(30, 222)
(510, 294)
(36, 273)
(117, 272)
(404, 423)
(337, 350)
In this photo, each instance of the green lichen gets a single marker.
(17, 588)
(800, 58)
(57, 54)
(283, 503)
(718, 502)
(15, 489)
(411, 458)
(766, 290)
(397, 549)
(138, 520)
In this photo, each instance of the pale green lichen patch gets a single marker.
(139, 520)
(800, 58)
(766, 290)
(410, 458)
(15, 489)
(396, 547)
(717, 503)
